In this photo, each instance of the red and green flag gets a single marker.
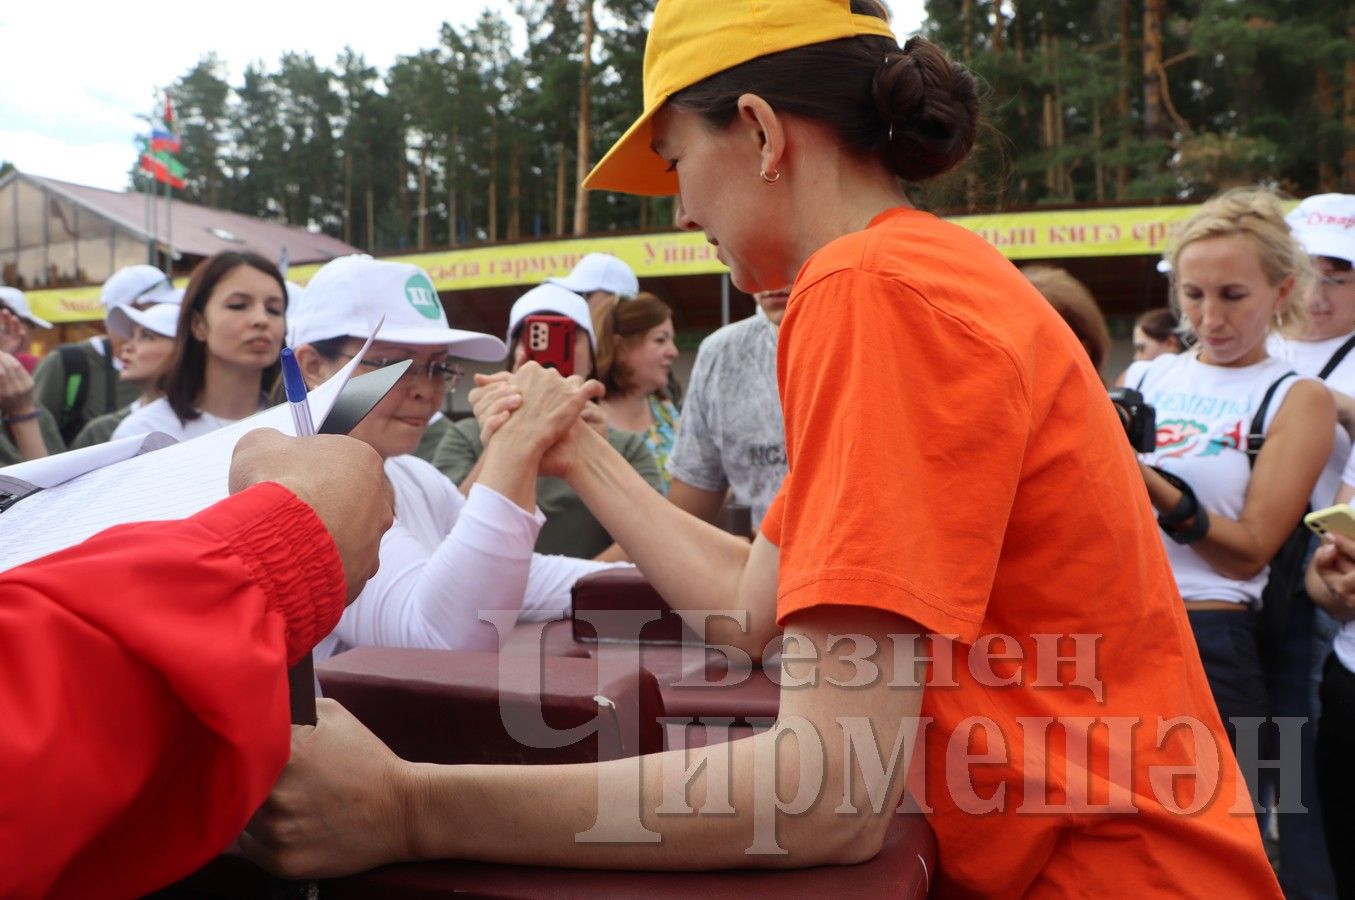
(161, 165)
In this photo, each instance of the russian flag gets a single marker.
(165, 130)
(163, 139)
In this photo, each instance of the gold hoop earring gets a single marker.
(776, 176)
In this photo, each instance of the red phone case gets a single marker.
(549, 340)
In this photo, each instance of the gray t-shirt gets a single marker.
(732, 434)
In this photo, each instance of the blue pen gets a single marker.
(295, 386)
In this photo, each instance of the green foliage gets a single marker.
(1241, 78)
(487, 125)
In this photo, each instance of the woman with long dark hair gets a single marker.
(226, 350)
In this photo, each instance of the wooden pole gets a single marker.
(585, 115)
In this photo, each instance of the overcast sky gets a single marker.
(79, 74)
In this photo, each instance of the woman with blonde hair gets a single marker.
(1241, 439)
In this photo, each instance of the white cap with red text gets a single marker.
(1325, 225)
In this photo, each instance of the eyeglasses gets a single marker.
(446, 374)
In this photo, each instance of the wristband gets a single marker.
(1187, 507)
(22, 417)
(1198, 529)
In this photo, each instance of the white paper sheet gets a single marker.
(62, 467)
(172, 483)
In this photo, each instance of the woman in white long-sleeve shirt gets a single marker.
(447, 559)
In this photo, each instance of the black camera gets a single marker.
(1138, 418)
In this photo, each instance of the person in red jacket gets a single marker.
(143, 673)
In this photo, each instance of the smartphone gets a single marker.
(1339, 519)
(549, 341)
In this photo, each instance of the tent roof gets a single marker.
(202, 230)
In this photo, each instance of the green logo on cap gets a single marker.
(420, 294)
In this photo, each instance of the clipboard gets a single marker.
(358, 397)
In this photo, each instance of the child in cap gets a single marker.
(570, 529)
(447, 558)
(147, 337)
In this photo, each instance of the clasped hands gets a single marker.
(539, 410)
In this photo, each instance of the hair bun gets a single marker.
(929, 107)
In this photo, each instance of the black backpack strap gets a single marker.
(1340, 354)
(75, 366)
(110, 376)
(1256, 433)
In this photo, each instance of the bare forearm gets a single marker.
(509, 466)
(27, 438)
(696, 829)
(703, 504)
(613, 553)
(1232, 548)
(693, 564)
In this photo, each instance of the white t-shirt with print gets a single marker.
(1204, 413)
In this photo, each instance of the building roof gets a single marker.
(201, 230)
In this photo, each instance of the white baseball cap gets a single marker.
(137, 284)
(600, 272)
(162, 318)
(17, 303)
(1325, 225)
(350, 294)
(546, 299)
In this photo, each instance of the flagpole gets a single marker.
(169, 226)
(149, 190)
(154, 193)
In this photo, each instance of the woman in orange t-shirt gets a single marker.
(956, 473)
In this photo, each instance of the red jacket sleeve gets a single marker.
(143, 691)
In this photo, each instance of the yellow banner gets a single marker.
(1063, 234)
(78, 304)
(505, 265)
(1136, 231)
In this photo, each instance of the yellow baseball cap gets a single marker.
(691, 40)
